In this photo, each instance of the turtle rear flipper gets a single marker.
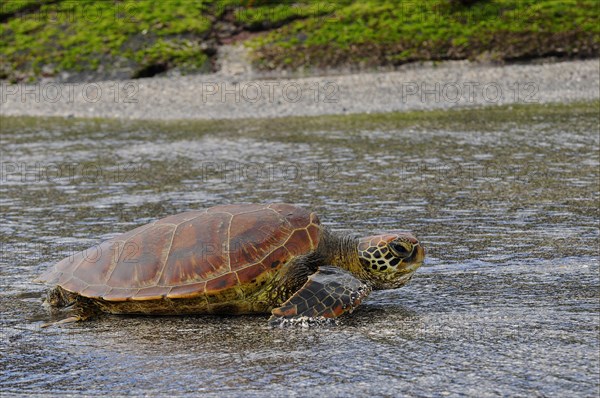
(76, 307)
(328, 293)
(76, 313)
(70, 319)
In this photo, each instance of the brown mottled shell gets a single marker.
(190, 254)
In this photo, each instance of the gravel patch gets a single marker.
(246, 95)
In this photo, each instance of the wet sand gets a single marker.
(504, 200)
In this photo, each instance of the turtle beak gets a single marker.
(418, 254)
(408, 249)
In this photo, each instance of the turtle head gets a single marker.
(391, 259)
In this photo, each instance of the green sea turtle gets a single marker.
(233, 259)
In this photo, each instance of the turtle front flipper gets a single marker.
(328, 293)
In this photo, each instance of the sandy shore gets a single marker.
(243, 95)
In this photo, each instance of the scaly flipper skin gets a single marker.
(71, 319)
(79, 307)
(328, 293)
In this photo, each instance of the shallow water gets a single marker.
(505, 200)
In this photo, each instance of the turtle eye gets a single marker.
(401, 249)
